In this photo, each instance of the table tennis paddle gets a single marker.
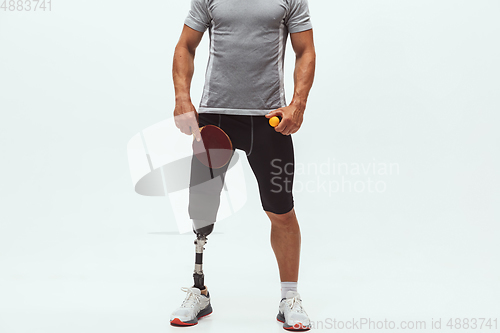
(214, 149)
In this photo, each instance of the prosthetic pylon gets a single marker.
(202, 230)
(199, 278)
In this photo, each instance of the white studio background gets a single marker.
(405, 98)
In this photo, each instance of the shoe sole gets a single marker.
(203, 313)
(297, 327)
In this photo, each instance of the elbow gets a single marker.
(309, 54)
(184, 50)
(308, 58)
(312, 54)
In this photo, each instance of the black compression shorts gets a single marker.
(269, 153)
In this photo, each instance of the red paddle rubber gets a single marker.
(214, 149)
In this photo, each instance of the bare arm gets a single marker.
(186, 117)
(303, 76)
(305, 64)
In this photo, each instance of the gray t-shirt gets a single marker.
(247, 44)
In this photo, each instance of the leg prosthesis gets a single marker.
(200, 241)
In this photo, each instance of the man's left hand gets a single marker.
(291, 118)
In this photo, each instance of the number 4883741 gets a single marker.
(26, 5)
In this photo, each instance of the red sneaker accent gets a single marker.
(178, 322)
(297, 327)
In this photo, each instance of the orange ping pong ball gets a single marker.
(274, 121)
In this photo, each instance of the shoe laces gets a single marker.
(295, 303)
(191, 298)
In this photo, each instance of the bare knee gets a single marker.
(283, 220)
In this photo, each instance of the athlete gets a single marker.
(244, 87)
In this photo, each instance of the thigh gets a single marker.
(205, 183)
(199, 172)
(272, 160)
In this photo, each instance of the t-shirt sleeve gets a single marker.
(199, 16)
(297, 18)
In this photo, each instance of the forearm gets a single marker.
(182, 73)
(303, 78)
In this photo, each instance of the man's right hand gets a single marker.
(186, 119)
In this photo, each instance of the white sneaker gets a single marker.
(292, 314)
(195, 306)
